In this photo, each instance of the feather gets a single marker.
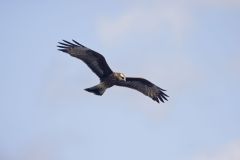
(95, 61)
(146, 87)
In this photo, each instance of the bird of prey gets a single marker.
(97, 63)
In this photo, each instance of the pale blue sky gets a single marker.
(189, 48)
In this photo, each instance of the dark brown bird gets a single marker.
(97, 63)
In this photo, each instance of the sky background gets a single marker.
(189, 48)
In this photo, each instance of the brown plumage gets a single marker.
(97, 63)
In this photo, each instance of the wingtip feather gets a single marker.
(69, 43)
(161, 99)
(63, 50)
(62, 46)
(77, 43)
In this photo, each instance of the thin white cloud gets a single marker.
(227, 152)
(144, 19)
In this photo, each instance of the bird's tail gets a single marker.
(97, 90)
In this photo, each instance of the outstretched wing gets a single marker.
(95, 61)
(146, 87)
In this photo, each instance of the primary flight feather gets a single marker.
(97, 63)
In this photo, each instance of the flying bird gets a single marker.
(97, 63)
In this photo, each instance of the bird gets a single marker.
(98, 64)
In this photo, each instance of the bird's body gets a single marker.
(97, 63)
(106, 83)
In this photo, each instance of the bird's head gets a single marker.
(120, 76)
